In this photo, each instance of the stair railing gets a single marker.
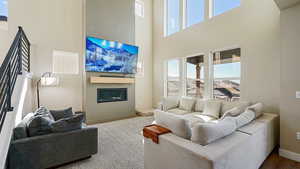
(15, 63)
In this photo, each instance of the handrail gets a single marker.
(16, 61)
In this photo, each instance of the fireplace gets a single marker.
(105, 95)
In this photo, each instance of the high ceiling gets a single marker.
(283, 4)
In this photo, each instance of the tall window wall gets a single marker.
(3, 10)
(195, 76)
(227, 75)
(181, 14)
(173, 78)
(223, 79)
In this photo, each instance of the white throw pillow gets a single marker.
(199, 106)
(170, 103)
(236, 111)
(230, 105)
(212, 108)
(257, 108)
(176, 124)
(187, 104)
(205, 133)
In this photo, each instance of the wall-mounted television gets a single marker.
(110, 56)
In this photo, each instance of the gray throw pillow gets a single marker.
(68, 124)
(39, 125)
(43, 111)
(61, 114)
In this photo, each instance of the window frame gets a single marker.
(166, 73)
(211, 70)
(184, 85)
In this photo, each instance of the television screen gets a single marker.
(110, 56)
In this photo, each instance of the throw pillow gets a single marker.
(60, 114)
(176, 124)
(39, 125)
(236, 111)
(187, 104)
(212, 108)
(205, 133)
(68, 124)
(170, 103)
(257, 108)
(230, 105)
(44, 112)
(199, 106)
(20, 131)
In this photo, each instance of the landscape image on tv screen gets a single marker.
(110, 56)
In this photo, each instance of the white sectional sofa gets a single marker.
(244, 148)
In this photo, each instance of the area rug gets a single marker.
(120, 146)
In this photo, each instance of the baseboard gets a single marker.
(290, 155)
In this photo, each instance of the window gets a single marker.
(3, 10)
(221, 6)
(194, 12)
(227, 75)
(195, 76)
(173, 16)
(139, 8)
(173, 78)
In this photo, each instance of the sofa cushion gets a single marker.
(178, 111)
(68, 124)
(60, 114)
(199, 105)
(187, 104)
(257, 108)
(230, 105)
(175, 123)
(212, 108)
(205, 133)
(170, 103)
(236, 111)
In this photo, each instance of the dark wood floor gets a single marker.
(276, 162)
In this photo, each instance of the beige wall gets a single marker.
(4, 40)
(256, 33)
(52, 25)
(111, 20)
(143, 39)
(290, 79)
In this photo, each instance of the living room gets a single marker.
(176, 55)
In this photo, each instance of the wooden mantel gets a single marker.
(110, 80)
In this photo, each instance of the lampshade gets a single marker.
(49, 81)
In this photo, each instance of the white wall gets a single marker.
(4, 40)
(257, 34)
(52, 25)
(290, 79)
(143, 39)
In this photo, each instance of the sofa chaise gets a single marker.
(245, 148)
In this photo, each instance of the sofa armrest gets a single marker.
(53, 149)
(183, 154)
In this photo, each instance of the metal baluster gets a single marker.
(9, 87)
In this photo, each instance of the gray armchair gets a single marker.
(52, 150)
